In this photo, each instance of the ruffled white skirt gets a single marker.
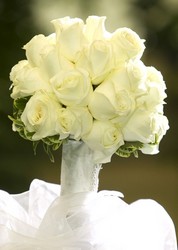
(40, 219)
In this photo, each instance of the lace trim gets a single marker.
(95, 177)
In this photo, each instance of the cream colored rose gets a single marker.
(72, 87)
(156, 86)
(155, 76)
(137, 73)
(70, 38)
(104, 139)
(42, 52)
(116, 96)
(95, 29)
(126, 45)
(97, 59)
(101, 107)
(160, 127)
(130, 76)
(38, 46)
(74, 122)
(154, 96)
(41, 115)
(27, 80)
(107, 101)
(139, 127)
(143, 126)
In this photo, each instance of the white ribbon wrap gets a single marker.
(79, 173)
(77, 217)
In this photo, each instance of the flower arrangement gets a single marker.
(84, 83)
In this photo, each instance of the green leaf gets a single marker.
(156, 142)
(28, 134)
(129, 148)
(47, 149)
(56, 146)
(35, 144)
(19, 106)
(51, 143)
(20, 103)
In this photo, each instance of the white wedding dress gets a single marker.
(53, 217)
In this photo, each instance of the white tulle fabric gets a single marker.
(41, 219)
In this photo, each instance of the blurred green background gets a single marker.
(154, 177)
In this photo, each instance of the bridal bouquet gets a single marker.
(84, 83)
(86, 88)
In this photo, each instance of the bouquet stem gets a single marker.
(78, 171)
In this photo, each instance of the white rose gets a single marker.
(137, 73)
(141, 126)
(41, 115)
(160, 128)
(70, 38)
(154, 96)
(101, 107)
(126, 45)
(108, 102)
(130, 76)
(72, 87)
(104, 139)
(161, 125)
(27, 80)
(74, 122)
(39, 45)
(155, 76)
(97, 59)
(95, 29)
(42, 52)
(157, 87)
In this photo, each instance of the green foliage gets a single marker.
(51, 143)
(129, 148)
(20, 103)
(18, 107)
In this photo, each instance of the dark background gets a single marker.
(154, 177)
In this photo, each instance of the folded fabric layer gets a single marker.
(42, 219)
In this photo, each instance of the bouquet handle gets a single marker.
(79, 173)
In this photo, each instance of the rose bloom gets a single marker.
(41, 115)
(72, 35)
(97, 59)
(116, 95)
(109, 105)
(144, 125)
(104, 139)
(38, 47)
(126, 45)
(136, 72)
(155, 76)
(42, 52)
(72, 87)
(69, 37)
(95, 29)
(27, 80)
(153, 98)
(160, 127)
(75, 122)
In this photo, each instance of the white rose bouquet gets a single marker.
(84, 83)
